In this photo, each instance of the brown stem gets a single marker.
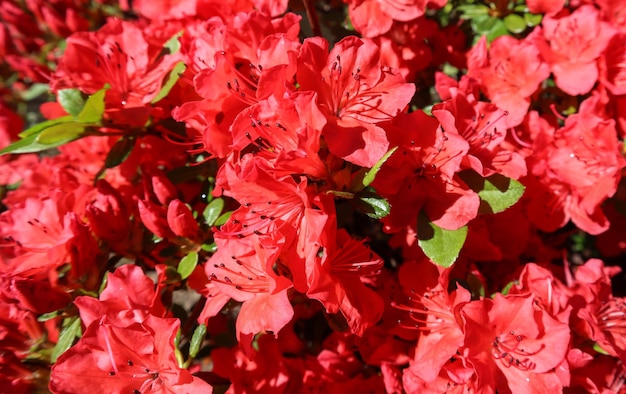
(309, 6)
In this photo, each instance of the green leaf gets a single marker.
(172, 78)
(506, 289)
(94, 107)
(34, 91)
(71, 100)
(187, 265)
(440, 245)
(71, 331)
(60, 134)
(49, 315)
(44, 125)
(213, 211)
(211, 248)
(471, 11)
(497, 192)
(497, 30)
(31, 144)
(369, 176)
(340, 194)
(598, 348)
(196, 340)
(372, 204)
(533, 19)
(119, 152)
(515, 23)
(223, 218)
(173, 44)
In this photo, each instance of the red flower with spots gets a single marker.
(285, 131)
(243, 270)
(355, 93)
(134, 358)
(421, 175)
(571, 44)
(336, 280)
(483, 126)
(512, 345)
(575, 169)
(373, 18)
(123, 55)
(433, 312)
(509, 71)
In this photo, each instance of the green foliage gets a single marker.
(53, 133)
(213, 211)
(196, 340)
(172, 78)
(364, 178)
(440, 245)
(497, 192)
(71, 331)
(119, 152)
(371, 204)
(187, 265)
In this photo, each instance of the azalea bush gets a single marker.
(363, 196)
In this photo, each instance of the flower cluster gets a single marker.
(201, 195)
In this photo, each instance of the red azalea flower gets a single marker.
(483, 126)
(405, 47)
(512, 345)
(599, 316)
(135, 358)
(44, 235)
(336, 282)
(510, 72)
(243, 269)
(285, 131)
(571, 44)
(128, 296)
(433, 312)
(421, 174)
(612, 65)
(165, 9)
(122, 55)
(373, 18)
(355, 93)
(549, 7)
(269, 204)
(269, 371)
(574, 171)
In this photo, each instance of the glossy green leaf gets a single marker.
(60, 134)
(213, 211)
(71, 331)
(598, 348)
(515, 23)
(94, 107)
(187, 265)
(35, 129)
(196, 340)
(173, 44)
(31, 144)
(497, 192)
(71, 100)
(119, 152)
(440, 245)
(223, 218)
(497, 30)
(371, 174)
(372, 204)
(533, 19)
(172, 78)
(470, 11)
